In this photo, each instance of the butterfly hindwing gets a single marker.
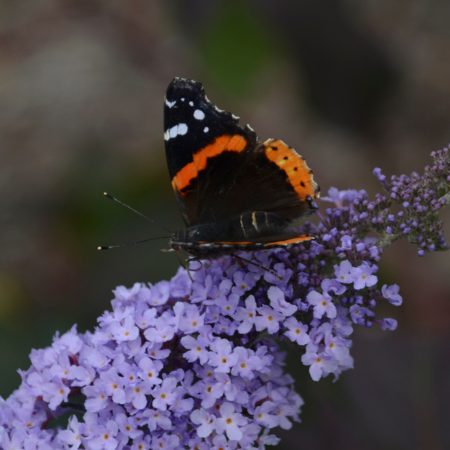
(256, 179)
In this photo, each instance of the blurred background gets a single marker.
(350, 85)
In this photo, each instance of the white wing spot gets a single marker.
(199, 115)
(170, 104)
(182, 129)
(182, 99)
(205, 130)
(191, 103)
(177, 130)
(173, 131)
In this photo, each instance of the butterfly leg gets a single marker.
(184, 266)
(257, 265)
(189, 260)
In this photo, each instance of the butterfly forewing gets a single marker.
(195, 132)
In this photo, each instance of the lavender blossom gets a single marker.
(195, 363)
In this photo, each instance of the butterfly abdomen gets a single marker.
(218, 239)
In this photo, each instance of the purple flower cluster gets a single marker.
(187, 365)
(194, 364)
(175, 365)
(420, 197)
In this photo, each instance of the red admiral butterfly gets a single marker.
(234, 192)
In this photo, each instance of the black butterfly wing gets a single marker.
(195, 131)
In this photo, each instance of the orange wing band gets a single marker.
(225, 243)
(299, 174)
(235, 143)
(295, 240)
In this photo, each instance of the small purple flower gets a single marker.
(159, 293)
(334, 196)
(105, 436)
(149, 370)
(359, 312)
(220, 442)
(93, 357)
(362, 276)
(379, 175)
(333, 286)
(341, 324)
(267, 415)
(337, 347)
(127, 427)
(156, 418)
(222, 357)
(323, 304)
(220, 292)
(320, 364)
(197, 348)
(163, 394)
(136, 395)
(343, 272)
(337, 197)
(243, 282)
(112, 384)
(230, 422)
(268, 319)
(206, 422)
(144, 317)
(247, 315)
(125, 331)
(389, 324)
(96, 397)
(391, 294)
(193, 319)
(142, 443)
(346, 242)
(71, 436)
(228, 304)
(55, 392)
(166, 441)
(278, 302)
(297, 331)
(247, 362)
(125, 295)
(162, 332)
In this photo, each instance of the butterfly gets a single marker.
(234, 192)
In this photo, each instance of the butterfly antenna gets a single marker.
(131, 243)
(137, 212)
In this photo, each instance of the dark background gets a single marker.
(351, 85)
